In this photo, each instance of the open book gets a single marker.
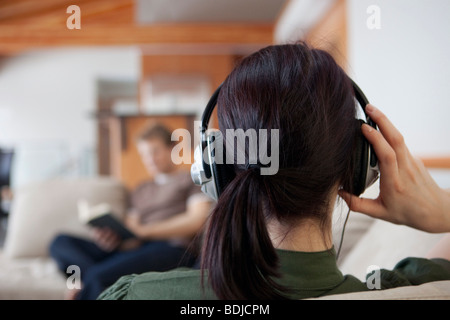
(102, 216)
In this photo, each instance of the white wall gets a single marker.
(46, 99)
(298, 17)
(404, 67)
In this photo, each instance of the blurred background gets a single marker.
(72, 100)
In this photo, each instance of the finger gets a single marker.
(97, 234)
(106, 238)
(390, 132)
(110, 243)
(102, 234)
(111, 236)
(370, 207)
(387, 158)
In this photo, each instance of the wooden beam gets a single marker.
(15, 38)
(330, 33)
(436, 162)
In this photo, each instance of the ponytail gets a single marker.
(238, 255)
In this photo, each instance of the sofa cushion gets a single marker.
(30, 279)
(42, 210)
(437, 290)
(384, 245)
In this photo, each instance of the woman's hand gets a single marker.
(106, 239)
(408, 194)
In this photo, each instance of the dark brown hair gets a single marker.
(309, 98)
(156, 130)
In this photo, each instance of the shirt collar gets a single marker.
(309, 271)
(164, 178)
(161, 178)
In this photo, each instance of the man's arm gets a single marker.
(184, 224)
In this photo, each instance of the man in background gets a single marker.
(165, 213)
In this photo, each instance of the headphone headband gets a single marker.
(209, 109)
(206, 116)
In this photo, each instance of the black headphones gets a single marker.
(213, 176)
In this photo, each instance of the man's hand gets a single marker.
(106, 239)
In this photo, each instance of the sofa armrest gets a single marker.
(42, 210)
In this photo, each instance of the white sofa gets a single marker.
(39, 212)
(42, 210)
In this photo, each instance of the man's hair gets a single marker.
(155, 130)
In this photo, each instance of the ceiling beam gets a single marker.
(16, 38)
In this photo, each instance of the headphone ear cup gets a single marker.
(221, 173)
(360, 161)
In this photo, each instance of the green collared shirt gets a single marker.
(308, 274)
